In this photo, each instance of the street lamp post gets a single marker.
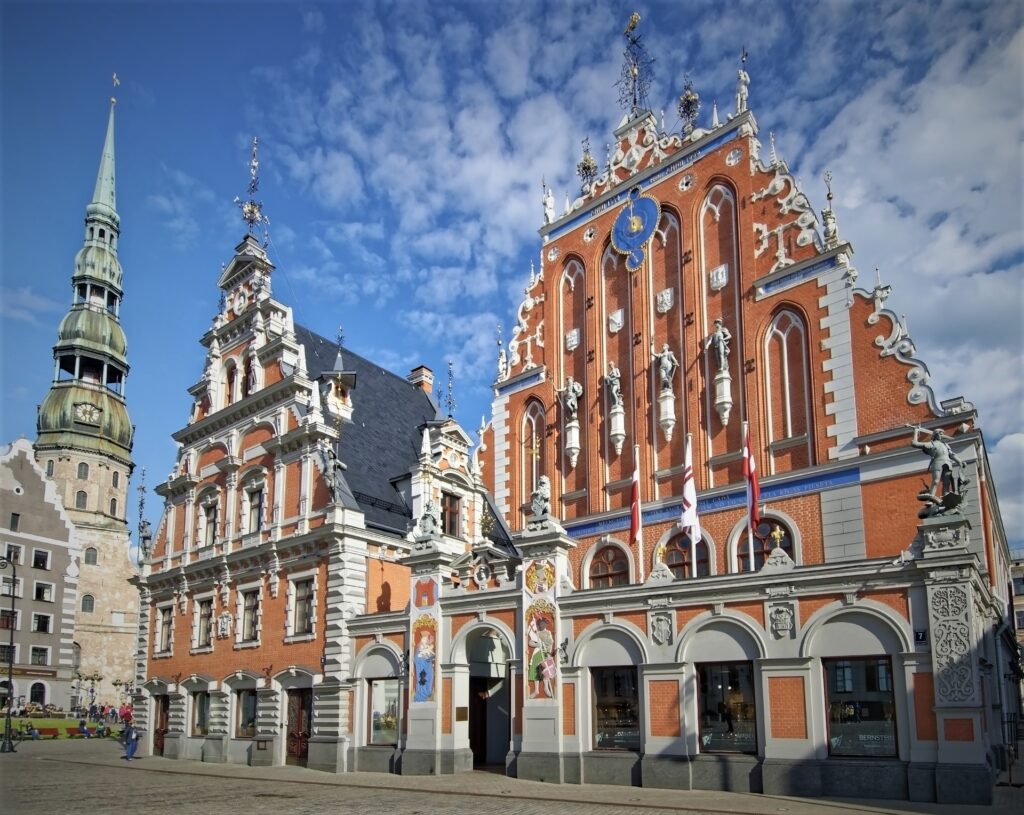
(8, 743)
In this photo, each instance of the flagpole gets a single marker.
(746, 458)
(639, 515)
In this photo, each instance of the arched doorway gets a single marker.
(489, 709)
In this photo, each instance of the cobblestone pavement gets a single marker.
(72, 777)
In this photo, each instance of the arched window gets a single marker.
(610, 567)
(49, 468)
(90, 556)
(80, 499)
(113, 507)
(88, 603)
(229, 384)
(686, 559)
(83, 471)
(768, 535)
(532, 451)
(115, 479)
(787, 385)
(37, 695)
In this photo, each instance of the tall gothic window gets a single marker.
(787, 385)
(532, 448)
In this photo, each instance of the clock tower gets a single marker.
(85, 443)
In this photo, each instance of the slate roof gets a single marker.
(382, 442)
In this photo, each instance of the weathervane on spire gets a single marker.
(252, 210)
(828, 216)
(116, 81)
(145, 532)
(689, 105)
(637, 75)
(449, 397)
(586, 169)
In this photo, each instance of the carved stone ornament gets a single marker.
(553, 253)
(572, 339)
(686, 182)
(615, 321)
(661, 573)
(951, 651)
(224, 625)
(665, 300)
(778, 561)
(734, 156)
(482, 574)
(718, 277)
(781, 620)
(590, 234)
(661, 628)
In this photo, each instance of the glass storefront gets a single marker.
(384, 699)
(616, 709)
(860, 703)
(728, 715)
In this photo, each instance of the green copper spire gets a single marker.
(85, 409)
(104, 197)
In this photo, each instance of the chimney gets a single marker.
(423, 378)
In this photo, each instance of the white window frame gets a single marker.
(158, 639)
(21, 553)
(53, 591)
(46, 648)
(81, 603)
(18, 584)
(197, 601)
(17, 648)
(39, 615)
(49, 558)
(85, 556)
(293, 581)
(17, 626)
(254, 482)
(240, 593)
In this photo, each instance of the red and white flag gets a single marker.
(750, 474)
(636, 529)
(689, 522)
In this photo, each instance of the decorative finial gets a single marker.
(340, 336)
(828, 216)
(636, 76)
(878, 278)
(145, 538)
(252, 210)
(771, 142)
(828, 186)
(689, 105)
(714, 114)
(587, 167)
(449, 397)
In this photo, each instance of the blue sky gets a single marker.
(403, 146)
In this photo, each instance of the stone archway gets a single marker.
(489, 703)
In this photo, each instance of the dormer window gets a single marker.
(451, 506)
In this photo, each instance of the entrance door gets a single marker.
(478, 688)
(300, 721)
(161, 713)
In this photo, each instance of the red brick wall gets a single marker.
(446, 705)
(569, 709)
(958, 729)
(786, 701)
(924, 698)
(664, 707)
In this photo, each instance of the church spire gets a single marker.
(104, 197)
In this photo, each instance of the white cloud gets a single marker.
(27, 306)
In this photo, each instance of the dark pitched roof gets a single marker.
(382, 442)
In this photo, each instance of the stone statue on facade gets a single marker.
(614, 380)
(667, 366)
(947, 489)
(549, 206)
(540, 499)
(430, 520)
(570, 401)
(718, 341)
(742, 83)
(335, 475)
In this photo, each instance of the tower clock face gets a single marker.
(87, 413)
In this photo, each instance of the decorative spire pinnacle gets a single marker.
(252, 210)
(688, 106)
(449, 397)
(587, 167)
(828, 216)
(714, 114)
(636, 77)
(773, 156)
(104, 196)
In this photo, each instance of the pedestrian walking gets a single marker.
(131, 740)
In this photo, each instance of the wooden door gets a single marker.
(161, 714)
(300, 724)
(478, 692)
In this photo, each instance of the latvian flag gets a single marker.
(689, 522)
(750, 475)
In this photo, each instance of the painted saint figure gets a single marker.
(542, 663)
(423, 664)
(718, 340)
